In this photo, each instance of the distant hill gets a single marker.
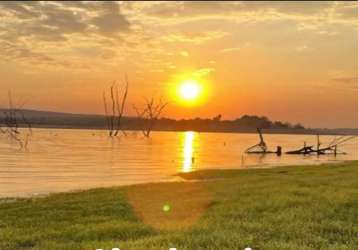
(58, 119)
(246, 123)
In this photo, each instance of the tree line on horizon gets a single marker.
(245, 122)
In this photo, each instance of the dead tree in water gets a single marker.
(13, 118)
(114, 113)
(150, 114)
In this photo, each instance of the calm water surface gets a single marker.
(60, 160)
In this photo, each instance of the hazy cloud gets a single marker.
(194, 37)
(348, 11)
(235, 49)
(223, 8)
(48, 28)
(21, 9)
(29, 27)
(347, 82)
(12, 51)
(110, 20)
(203, 72)
(62, 18)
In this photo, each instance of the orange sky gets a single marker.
(290, 61)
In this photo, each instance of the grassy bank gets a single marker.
(298, 207)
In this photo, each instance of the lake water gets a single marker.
(60, 160)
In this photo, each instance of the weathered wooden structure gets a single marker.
(261, 147)
(331, 148)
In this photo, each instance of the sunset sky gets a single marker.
(290, 61)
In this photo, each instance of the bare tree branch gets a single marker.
(150, 114)
(113, 109)
(120, 107)
(11, 120)
(106, 112)
(117, 108)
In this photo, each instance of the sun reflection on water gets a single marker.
(188, 152)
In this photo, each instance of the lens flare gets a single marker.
(166, 208)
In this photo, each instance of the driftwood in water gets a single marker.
(329, 150)
(332, 147)
(278, 152)
(304, 150)
(261, 147)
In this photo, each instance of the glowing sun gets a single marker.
(189, 90)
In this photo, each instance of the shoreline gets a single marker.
(262, 208)
(184, 177)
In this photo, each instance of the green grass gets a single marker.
(297, 207)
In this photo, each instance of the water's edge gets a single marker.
(177, 179)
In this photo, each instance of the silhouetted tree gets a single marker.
(115, 111)
(254, 121)
(150, 114)
(217, 118)
(298, 126)
(13, 118)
